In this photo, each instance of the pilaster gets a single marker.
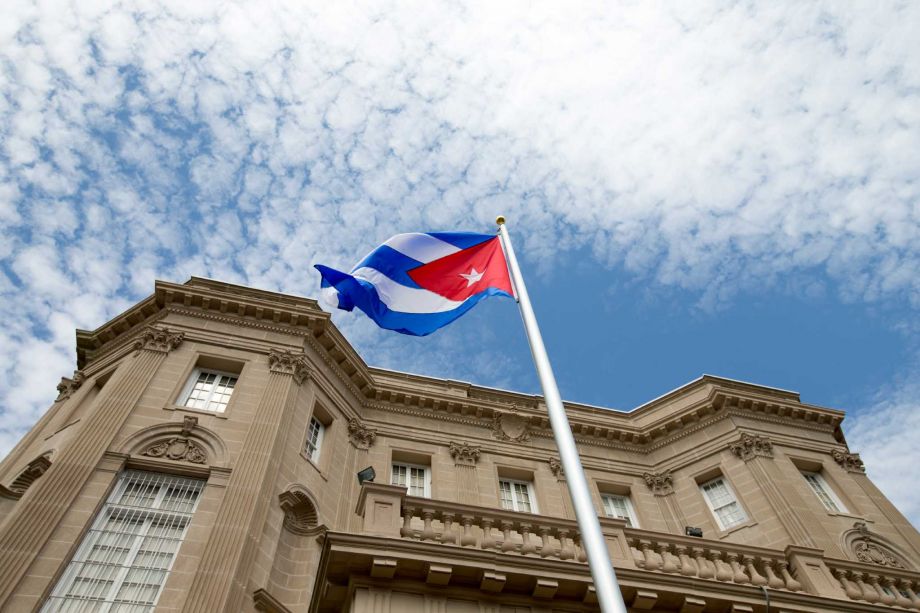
(757, 452)
(220, 581)
(48, 499)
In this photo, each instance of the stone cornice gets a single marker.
(651, 426)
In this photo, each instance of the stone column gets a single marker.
(220, 581)
(43, 505)
(757, 452)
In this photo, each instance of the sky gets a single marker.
(729, 188)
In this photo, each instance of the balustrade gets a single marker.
(526, 534)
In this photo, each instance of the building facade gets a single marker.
(205, 457)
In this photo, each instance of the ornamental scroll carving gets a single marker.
(661, 484)
(464, 454)
(850, 462)
(510, 427)
(67, 387)
(161, 340)
(555, 466)
(866, 548)
(752, 446)
(300, 516)
(360, 435)
(178, 448)
(289, 363)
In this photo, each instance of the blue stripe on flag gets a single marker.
(462, 240)
(392, 263)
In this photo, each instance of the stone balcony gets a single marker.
(477, 552)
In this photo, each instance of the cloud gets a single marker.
(885, 434)
(714, 149)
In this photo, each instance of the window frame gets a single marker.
(531, 495)
(632, 518)
(826, 489)
(712, 509)
(149, 517)
(409, 466)
(318, 445)
(190, 386)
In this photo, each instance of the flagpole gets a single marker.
(605, 580)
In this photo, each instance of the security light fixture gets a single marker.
(367, 474)
(693, 531)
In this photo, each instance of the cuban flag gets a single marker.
(416, 283)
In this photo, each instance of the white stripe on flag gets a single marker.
(404, 299)
(422, 247)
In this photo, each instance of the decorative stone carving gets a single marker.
(178, 448)
(510, 427)
(300, 515)
(30, 473)
(752, 446)
(849, 461)
(67, 387)
(289, 363)
(188, 424)
(360, 435)
(555, 465)
(464, 454)
(661, 484)
(161, 340)
(866, 547)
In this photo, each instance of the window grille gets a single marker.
(123, 561)
(314, 439)
(619, 507)
(416, 478)
(516, 495)
(210, 390)
(823, 492)
(723, 503)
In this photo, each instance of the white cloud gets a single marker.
(885, 434)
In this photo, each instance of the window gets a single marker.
(209, 390)
(824, 493)
(723, 504)
(620, 507)
(517, 495)
(314, 440)
(123, 561)
(416, 478)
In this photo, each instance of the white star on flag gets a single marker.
(471, 277)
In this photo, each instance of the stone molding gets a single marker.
(850, 462)
(300, 514)
(510, 427)
(161, 340)
(67, 387)
(179, 448)
(360, 435)
(289, 363)
(867, 547)
(752, 446)
(555, 466)
(661, 484)
(464, 454)
(29, 474)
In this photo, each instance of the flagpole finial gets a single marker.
(500, 220)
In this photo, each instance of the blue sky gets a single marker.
(710, 187)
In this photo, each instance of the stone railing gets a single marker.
(451, 523)
(877, 584)
(387, 511)
(715, 560)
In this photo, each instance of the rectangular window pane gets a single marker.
(314, 436)
(724, 505)
(399, 476)
(125, 558)
(617, 506)
(818, 487)
(211, 391)
(504, 488)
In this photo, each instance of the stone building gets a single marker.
(204, 457)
